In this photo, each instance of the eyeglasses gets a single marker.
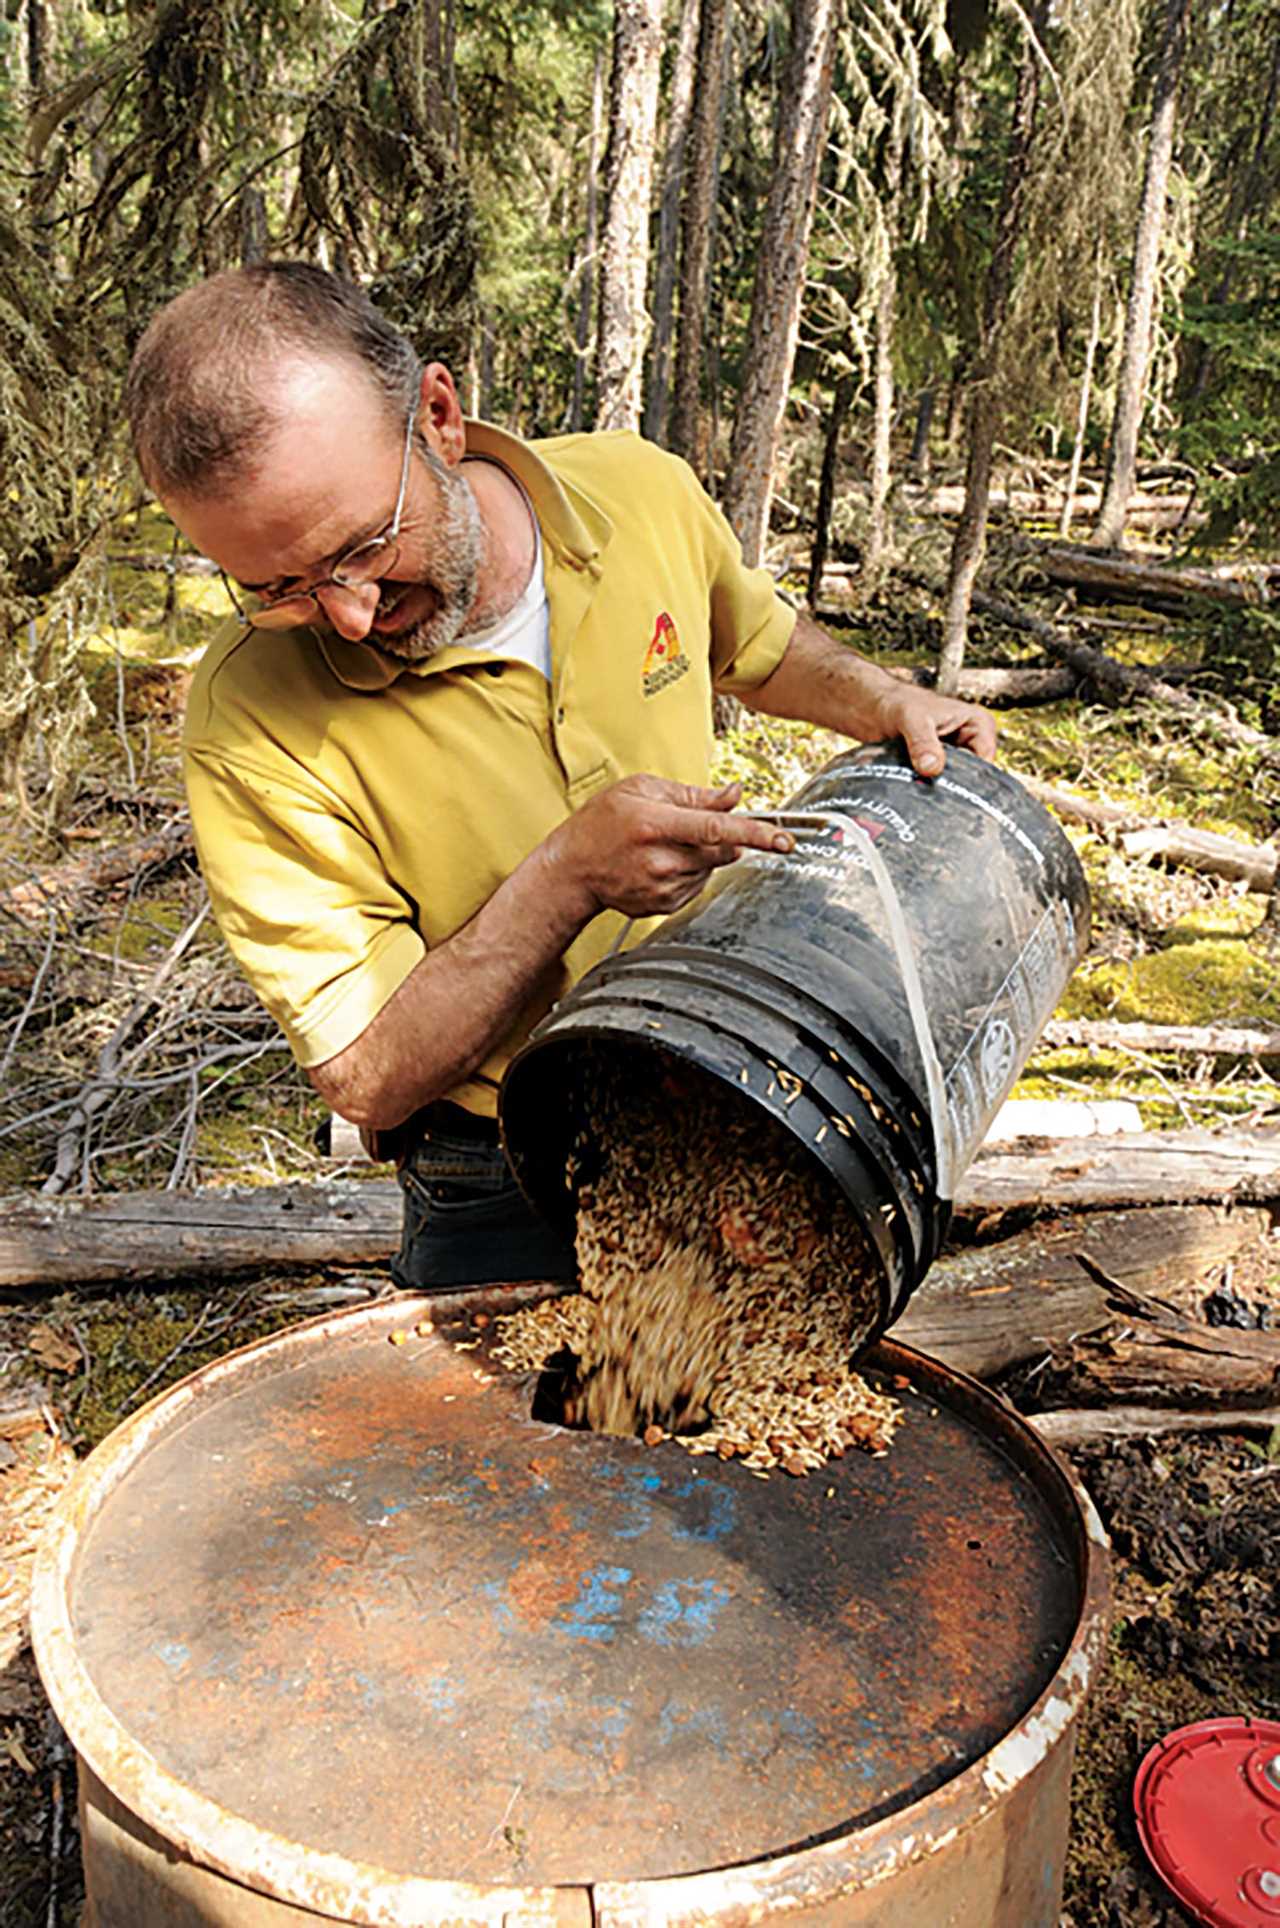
(363, 563)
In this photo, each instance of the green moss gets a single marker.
(1196, 980)
(129, 1340)
(147, 928)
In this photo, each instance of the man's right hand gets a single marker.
(645, 846)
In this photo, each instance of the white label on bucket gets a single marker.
(983, 1072)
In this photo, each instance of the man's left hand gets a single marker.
(924, 720)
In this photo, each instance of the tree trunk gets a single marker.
(658, 393)
(882, 432)
(37, 46)
(984, 415)
(587, 260)
(687, 433)
(918, 466)
(1122, 457)
(1082, 413)
(840, 402)
(255, 237)
(804, 101)
(624, 258)
(485, 368)
(429, 42)
(1251, 198)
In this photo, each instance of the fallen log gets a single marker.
(1090, 1425)
(1206, 851)
(1190, 1040)
(1026, 1298)
(1001, 687)
(1136, 1168)
(136, 1236)
(45, 1240)
(1181, 844)
(1151, 1357)
(1144, 510)
(64, 885)
(1121, 678)
(1146, 581)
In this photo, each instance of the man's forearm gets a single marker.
(458, 1002)
(822, 681)
(643, 846)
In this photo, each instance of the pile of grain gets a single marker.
(724, 1283)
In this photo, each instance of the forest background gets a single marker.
(968, 314)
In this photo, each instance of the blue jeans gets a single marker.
(466, 1221)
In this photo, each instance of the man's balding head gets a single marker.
(202, 395)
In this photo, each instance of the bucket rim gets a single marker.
(639, 986)
(895, 1285)
(750, 983)
(368, 1897)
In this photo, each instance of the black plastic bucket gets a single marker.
(878, 990)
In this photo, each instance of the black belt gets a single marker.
(394, 1143)
(451, 1121)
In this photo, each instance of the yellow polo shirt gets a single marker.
(351, 811)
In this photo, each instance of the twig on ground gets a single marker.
(187, 1141)
(98, 1091)
(30, 1005)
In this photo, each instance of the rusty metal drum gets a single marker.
(341, 1632)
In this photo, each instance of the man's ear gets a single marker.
(440, 414)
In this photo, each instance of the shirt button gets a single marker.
(560, 714)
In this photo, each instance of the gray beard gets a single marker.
(460, 535)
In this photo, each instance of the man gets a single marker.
(462, 733)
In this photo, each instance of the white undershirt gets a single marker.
(523, 635)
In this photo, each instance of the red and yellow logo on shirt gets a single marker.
(665, 661)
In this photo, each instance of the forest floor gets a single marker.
(131, 1057)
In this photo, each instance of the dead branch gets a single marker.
(101, 1088)
(1181, 844)
(37, 984)
(1094, 812)
(1191, 1040)
(1088, 1425)
(63, 886)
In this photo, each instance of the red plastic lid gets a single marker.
(1207, 1798)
